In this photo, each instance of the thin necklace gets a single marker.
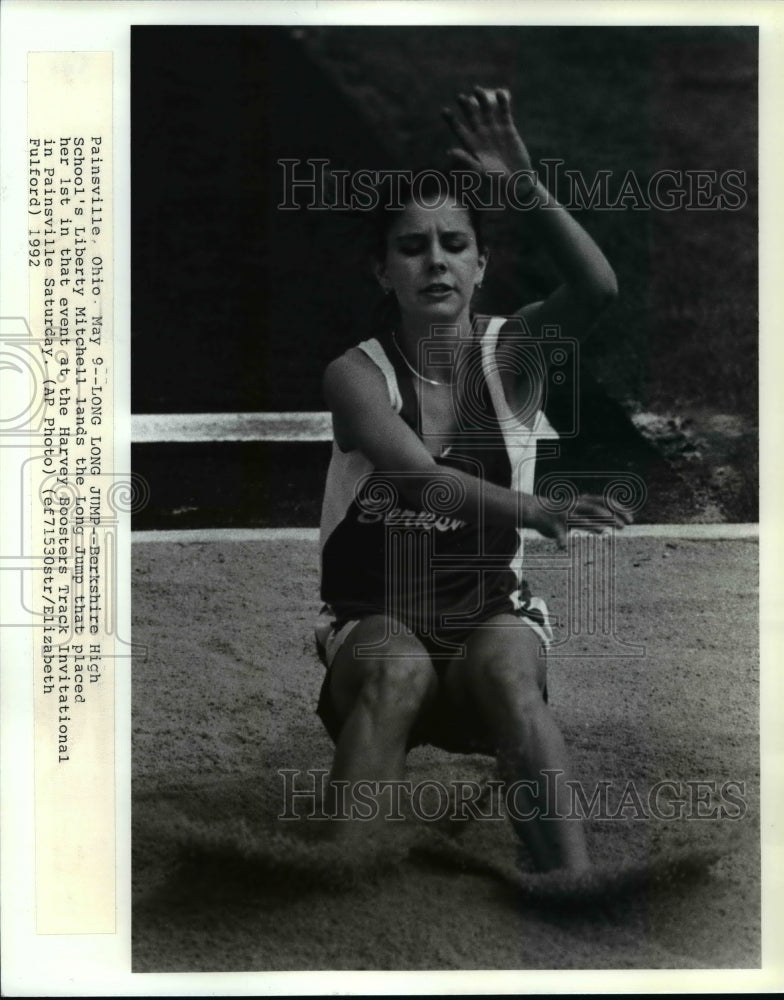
(424, 378)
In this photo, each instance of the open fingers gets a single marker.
(597, 509)
(471, 110)
(485, 100)
(484, 104)
(493, 104)
(621, 514)
(458, 128)
(504, 101)
(479, 109)
(463, 159)
(589, 513)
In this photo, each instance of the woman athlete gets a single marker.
(434, 638)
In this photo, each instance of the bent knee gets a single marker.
(401, 685)
(518, 683)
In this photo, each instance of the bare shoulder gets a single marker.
(364, 417)
(351, 370)
(356, 393)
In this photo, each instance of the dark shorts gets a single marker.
(442, 724)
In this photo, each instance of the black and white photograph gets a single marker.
(390, 551)
(445, 583)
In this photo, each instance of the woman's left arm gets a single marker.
(490, 143)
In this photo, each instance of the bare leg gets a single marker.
(503, 675)
(379, 697)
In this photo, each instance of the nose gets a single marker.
(436, 257)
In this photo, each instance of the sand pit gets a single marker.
(225, 699)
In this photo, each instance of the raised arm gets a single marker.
(490, 143)
(363, 419)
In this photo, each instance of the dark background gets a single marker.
(237, 306)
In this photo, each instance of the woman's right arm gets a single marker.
(356, 393)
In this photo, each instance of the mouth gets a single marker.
(437, 290)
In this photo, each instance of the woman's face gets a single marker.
(433, 263)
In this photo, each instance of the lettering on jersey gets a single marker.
(400, 518)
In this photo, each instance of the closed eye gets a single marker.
(410, 246)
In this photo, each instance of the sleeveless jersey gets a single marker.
(430, 568)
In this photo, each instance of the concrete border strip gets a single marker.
(201, 428)
(691, 532)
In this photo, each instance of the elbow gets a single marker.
(610, 288)
(602, 292)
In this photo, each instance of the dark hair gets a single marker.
(429, 186)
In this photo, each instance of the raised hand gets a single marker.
(489, 140)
